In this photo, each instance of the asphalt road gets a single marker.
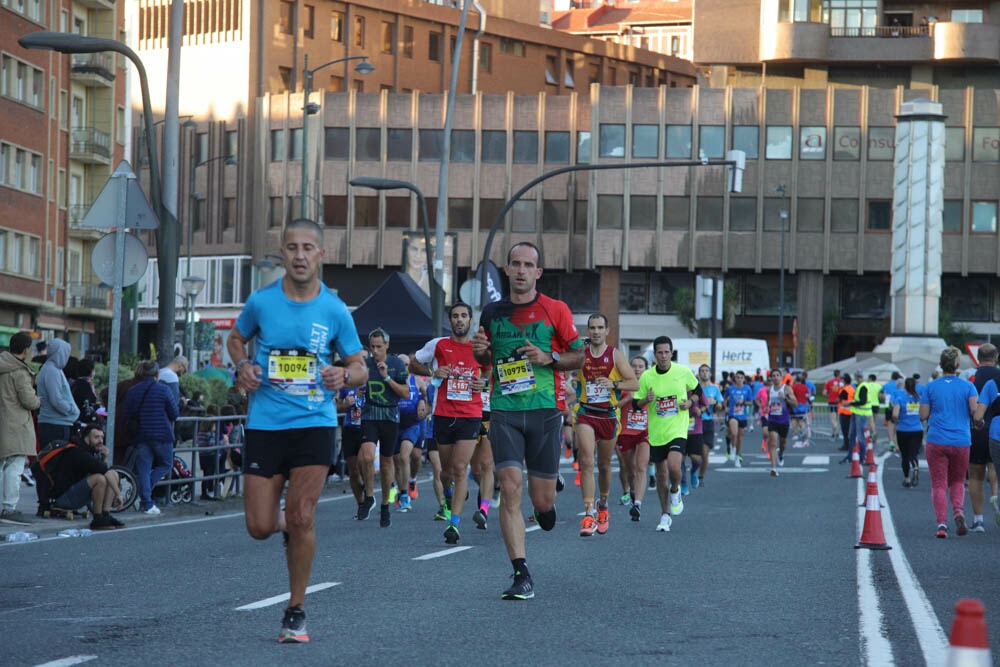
(756, 571)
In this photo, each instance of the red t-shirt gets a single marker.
(455, 397)
(832, 389)
(801, 392)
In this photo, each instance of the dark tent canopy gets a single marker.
(400, 308)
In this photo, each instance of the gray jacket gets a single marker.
(58, 406)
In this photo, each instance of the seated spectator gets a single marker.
(77, 474)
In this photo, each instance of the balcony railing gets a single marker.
(101, 64)
(86, 141)
(87, 296)
(882, 31)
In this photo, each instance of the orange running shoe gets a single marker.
(588, 526)
(603, 517)
(413, 490)
(577, 480)
(576, 465)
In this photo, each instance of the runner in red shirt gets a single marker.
(832, 389)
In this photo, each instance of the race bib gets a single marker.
(459, 388)
(691, 423)
(355, 417)
(636, 420)
(739, 410)
(597, 393)
(515, 375)
(293, 371)
(913, 408)
(666, 407)
(777, 409)
(486, 400)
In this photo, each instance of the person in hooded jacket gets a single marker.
(58, 410)
(17, 400)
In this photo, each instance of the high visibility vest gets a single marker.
(844, 407)
(874, 389)
(866, 409)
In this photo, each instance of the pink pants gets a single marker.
(948, 466)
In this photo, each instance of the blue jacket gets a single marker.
(57, 404)
(156, 421)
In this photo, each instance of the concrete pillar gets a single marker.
(609, 301)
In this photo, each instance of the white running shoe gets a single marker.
(153, 511)
(738, 461)
(664, 525)
(676, 504)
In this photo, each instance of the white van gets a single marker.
(731, 354)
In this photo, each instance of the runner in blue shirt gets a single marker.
(738, 405)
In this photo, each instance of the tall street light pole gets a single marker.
(437, 292)
(783, 216)
(167, 234)
(309, 108)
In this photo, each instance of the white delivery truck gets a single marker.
(731, 354)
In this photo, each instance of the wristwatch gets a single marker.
(555, 358)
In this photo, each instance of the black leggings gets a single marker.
(909, 447)
(845, 431)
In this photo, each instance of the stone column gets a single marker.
(918, 199)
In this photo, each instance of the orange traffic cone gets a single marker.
(968, 645)
(855, 464)
(872, 480)
(872, 536)
(869, 450)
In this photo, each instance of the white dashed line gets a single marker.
(282, 598)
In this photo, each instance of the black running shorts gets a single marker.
(270, 453)
(449, 430)
(385, 433)
(350, 440)
(529, 438)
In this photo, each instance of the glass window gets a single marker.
(522, 216)
(580, 290)
(844, 216)
(951, 217)
(879, 216)
(407, 41)
(494, 146)
(434, 47)
(612, 141)
(399, 145)
(864, 297)
(679, 142)
(294, 148)
(662, 287)
(555, 215)
(368, 144)
(366, 211)
(459, 213)
(711, 141)
(285, 17)
(232, 143)
(485, 57)
(463, 145)
(583, 147)
(642, 212)
(812, 142)
(846, 143)
(359, 31)
(809, 216)
(557, 147)
(709, 214)
(431, 144)
(954, 144)
(278, 149)
(742, 214)
(881, 143)
(966, 298)
(986, 144)
(387, 37)
(762, 296)
(645, 141)
(551, 65)
(335, 211)
(779, 142)
(276, 211)
(676, 212)
(397, 211)
(745, 138)
(776, 212)
(632, 292)
(525, 147)
(336, 143)
(967, 16)
(984, 216)
(609, 211)
(337, 26)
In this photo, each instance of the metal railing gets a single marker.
(90, 140)
(102, 64)
(86, 295)
(882, 31)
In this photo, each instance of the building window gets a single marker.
(779, 142)
(951, 217)
(583, 147)
(463, 145)
(525, 147)
(368, 144)
(844, 216)
(812, 143)
(485, 57)
(676, 212)
(809, 214)
(966, 16)
(555, 215)
(201, 147)
(514, 47)
(881, 143)
(675, 45)
(309, 27)
(336, 143)
(611, 141)
(407, 41)
(986, 144)
(557, 147)
(745, 138)
(645, 141)
(431, 144)
(846, 143)
(387, 37)
(984, 217)
(642, 212)
(359, 31)
(434, 47)
(633, 292)
(551, 67)
(954, 144)
(232, 143)
(709, 218)
(494, 146)
(399, 145)
(228, 213)
(279, 150)
(568, 74)
(762, 296)
(337, 26)
(679, 142)
(863, 298)
(711, 141)
(335, 211)
(609, 211)
(285, 77)
(662, 287)
(879, 216)
(522, 216)
(286, 17)
(277, 211)
(742, 214)
(336, 84)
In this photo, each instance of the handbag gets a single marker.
(132, 425)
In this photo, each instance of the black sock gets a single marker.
(520, 567)
(546, 520)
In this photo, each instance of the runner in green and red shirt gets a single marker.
(530, 341)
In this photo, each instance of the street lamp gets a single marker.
(167, 234)
(192, 286)
(309, 108)
(783, 215)
(437, 292)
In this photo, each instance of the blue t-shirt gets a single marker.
(382, 403)
(948, 398)
(352, 417)
(739, 412)
(986, 397)
(294, 340)
(712, 391)
(909, 410)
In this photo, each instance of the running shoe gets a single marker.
(521, 589)
(451, 535)
(915, 474)
(588, 526)
(153, 511)
(995, 504)
(625, 500)
(977, 527)
(443, 514)
(676, 504)
(479, 518)
(384, 519)
(942, 531)
(603, 518)
(102, 522)
(960, 528)
(781, 460)
(15, 517)
(561, 483)
(695, 479)
(738, 462)
(652, 482)
(366, 508)
(27, 477)
(685, 489)
(495, 500)
(774, 472)
(293, 627)
(393, 494)
(906, 482)
(576, 480)
(664, 525)
(404, 502)
(763, 446)
(635, 511)
(412, 490)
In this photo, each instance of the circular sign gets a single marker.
(102, 259)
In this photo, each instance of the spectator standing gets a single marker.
(17, 400)
(123, 439)
(947, 404)
(58, 410)
(152, 404)
(83, 392)
(170, 375)
(41, 353)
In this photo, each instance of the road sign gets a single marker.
(103, 212)
(135, 260)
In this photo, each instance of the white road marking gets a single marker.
(767, 470)
(72, 660)
(815, 460)
(282, 598)
(439, 554)
(875, 646)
